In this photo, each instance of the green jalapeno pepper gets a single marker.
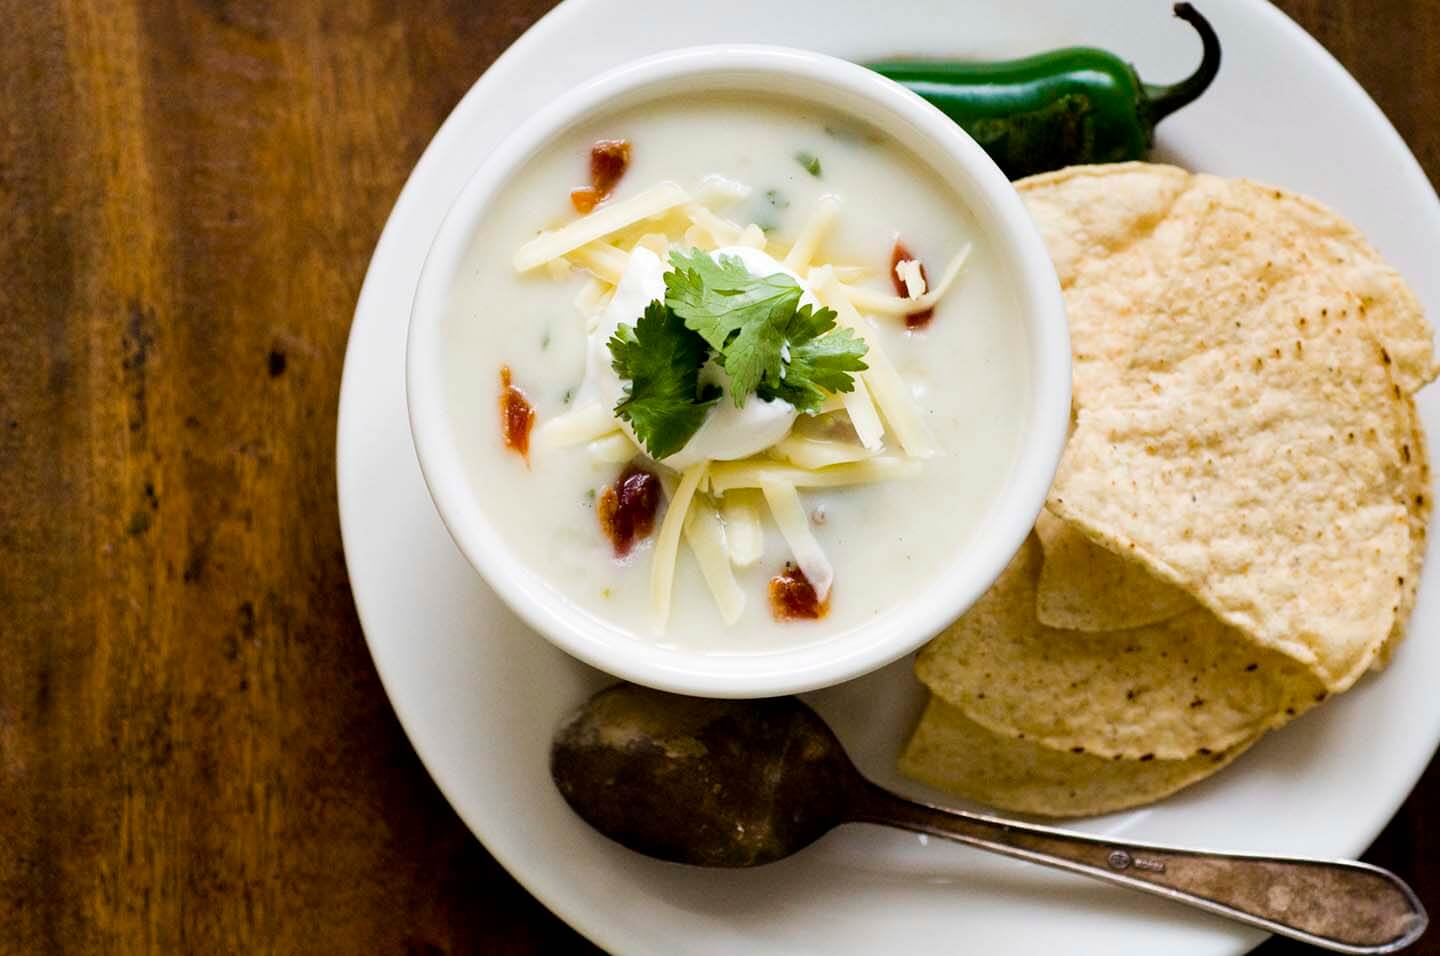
(1062, 108)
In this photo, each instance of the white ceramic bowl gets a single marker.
(999, 213)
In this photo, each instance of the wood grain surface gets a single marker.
(195, 752)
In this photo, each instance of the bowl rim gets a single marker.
(813, 664)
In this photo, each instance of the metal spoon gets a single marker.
(743, 783)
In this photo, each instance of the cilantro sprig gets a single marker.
(741, 316)
(752, 326)
(767, 342)
(662, 359)
(818, 359)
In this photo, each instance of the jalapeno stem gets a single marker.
(1165, 100)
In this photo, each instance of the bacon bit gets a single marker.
(792, 597)
(627, 508)
(584, 199)
(517, 416)
(915, 320)
(609, 158)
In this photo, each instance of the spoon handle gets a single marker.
(1339, 905)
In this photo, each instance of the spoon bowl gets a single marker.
(706, 782)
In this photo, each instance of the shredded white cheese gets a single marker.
(602, 222)
(601, 260)
(613, 449)
(667, 543)
(789, 515)
(806, 452)
(698, 238)
(576, 427)
(591, 297)
(858, 402)
(860, 406)
(744, 532)
(722, 232)
(752, 236)
(754, 472)
(813, 234)
(706, 535)
(879, 303)
(909, 272)
(891, 393)
(776, 249)
(657, 243)
(718, 191)
(849, 273)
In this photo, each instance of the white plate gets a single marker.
(479, 695)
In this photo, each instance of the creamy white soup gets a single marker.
(822, 399)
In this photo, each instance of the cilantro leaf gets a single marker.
(767, 342)
(741, 316)
(662, 359)
(819, 359)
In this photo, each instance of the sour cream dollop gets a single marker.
(728, 432)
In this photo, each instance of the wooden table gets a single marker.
(195, 752)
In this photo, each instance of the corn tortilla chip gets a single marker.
(1098, 223)
(1173, 690)
(1094, 220)
(1083, 587)
(1386, 302)
(950, 752)
(1247, 447)
(1417, 499)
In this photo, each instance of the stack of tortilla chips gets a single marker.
(1238, 523)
